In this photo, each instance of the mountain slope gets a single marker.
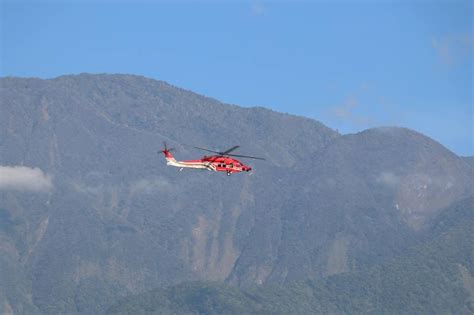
(469, 160)
(435, 277)
(116, 221)
(116, 215)
(358, 202)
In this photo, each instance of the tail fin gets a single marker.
(168, 156)
(167, 152)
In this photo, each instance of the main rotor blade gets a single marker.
(227, 152)
(247, 156)
(166, 147)
(230, 150)
(206, 150)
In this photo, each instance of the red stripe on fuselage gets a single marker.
(222, 163)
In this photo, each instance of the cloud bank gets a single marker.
(257, 9)
(453, 49)
(389, 179)
(149, 186)
(347, 112)
(24, 179)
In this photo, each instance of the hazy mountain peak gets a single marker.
(115, 220)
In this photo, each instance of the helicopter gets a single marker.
(222, 161)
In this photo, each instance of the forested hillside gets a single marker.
(90, 213)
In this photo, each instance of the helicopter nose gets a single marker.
(249, 169)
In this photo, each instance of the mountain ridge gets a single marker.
(117, 221)
(161, 82)
(343, 293)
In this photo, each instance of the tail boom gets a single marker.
(171, 161)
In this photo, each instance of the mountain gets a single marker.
(434, 277)
(469, 160)
(107, 218)
(359, 201)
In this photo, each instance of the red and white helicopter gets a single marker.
(222, 162)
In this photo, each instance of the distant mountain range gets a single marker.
(470, 160)
(378, 221)
(423, 280)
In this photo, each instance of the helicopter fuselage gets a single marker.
(216, 163)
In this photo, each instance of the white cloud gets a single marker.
(453, 49)
(346, 112)
(257, 9)
(389, 179)
(24, 178)
(87, 189)
(141, 186)
(149, 186)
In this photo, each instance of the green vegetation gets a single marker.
(343, 222)
(427, 280)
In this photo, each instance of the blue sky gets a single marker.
(349, 64)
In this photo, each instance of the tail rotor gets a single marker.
(167, 152)
(165, 148)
